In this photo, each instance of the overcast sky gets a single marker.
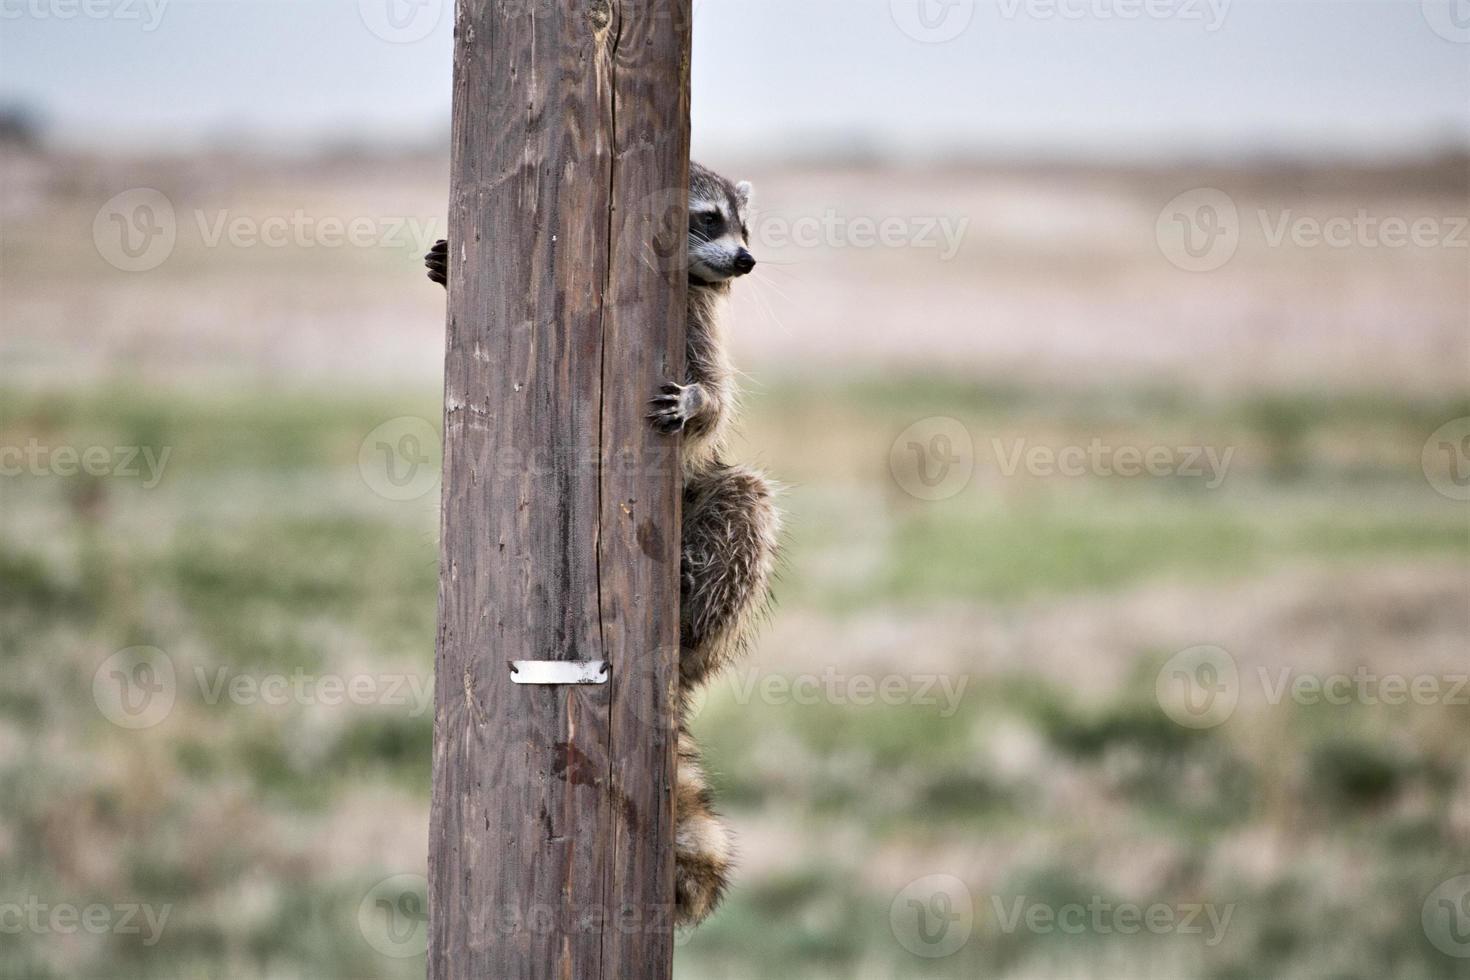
(1062, 77)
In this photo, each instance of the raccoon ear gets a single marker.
(743, 191)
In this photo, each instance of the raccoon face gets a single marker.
(718, 234)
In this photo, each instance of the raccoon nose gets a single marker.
(744, 261)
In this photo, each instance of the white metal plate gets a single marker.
(559, 671)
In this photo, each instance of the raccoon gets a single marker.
(731, 524)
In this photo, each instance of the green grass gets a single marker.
(262, 551)
(1003, 551)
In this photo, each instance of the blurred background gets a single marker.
(1115, 355)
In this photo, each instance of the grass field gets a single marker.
(1122, 631)
(1020, 625)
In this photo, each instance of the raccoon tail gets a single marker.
(703, 847)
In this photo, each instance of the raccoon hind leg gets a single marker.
(731, 527)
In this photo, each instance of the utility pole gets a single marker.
(551, 831)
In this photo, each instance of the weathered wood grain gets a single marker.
(551, 831)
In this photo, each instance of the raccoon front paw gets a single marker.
(437, 261)
(675, 405)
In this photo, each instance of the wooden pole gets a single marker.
(551, 831)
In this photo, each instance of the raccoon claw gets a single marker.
(437, 261)
(674, 406)
(666, 421)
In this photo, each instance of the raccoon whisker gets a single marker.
(778, 265)
(761, 278)
(765, 307)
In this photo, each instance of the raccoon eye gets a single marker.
(710, 220)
